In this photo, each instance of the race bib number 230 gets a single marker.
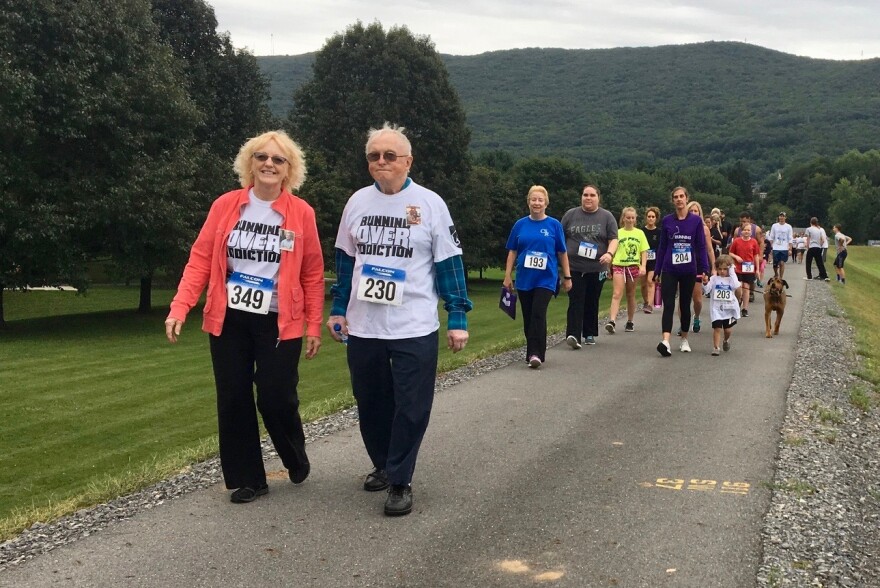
(381, 285)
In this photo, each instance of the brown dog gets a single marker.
(774, 299)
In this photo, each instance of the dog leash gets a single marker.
(761, 292)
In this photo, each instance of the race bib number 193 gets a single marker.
(249, 293)
(381, 285)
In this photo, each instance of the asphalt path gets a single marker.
(610, 466)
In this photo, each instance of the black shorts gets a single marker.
(723, 324)
(746, 278)
(650, 265)
(840, 259)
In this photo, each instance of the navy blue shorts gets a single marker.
(780, 257)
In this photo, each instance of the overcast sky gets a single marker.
(827, 29)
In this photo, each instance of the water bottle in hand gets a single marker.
(338, 329)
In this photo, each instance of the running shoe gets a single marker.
(573, 342)
(609, 326)
(696, 326)
(630, 327)
(726, 346)
(716, 351)
(685, 347)
(647, 308)
(534, 362)
(745, 312)
(590, 340)
(751, 296)
(663, 348)
(759, 283)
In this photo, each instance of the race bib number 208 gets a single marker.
(381, 285)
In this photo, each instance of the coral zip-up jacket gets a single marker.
(300, 272)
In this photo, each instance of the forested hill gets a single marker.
(701, 103)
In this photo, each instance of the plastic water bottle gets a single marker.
(658, 296)
(338, 329)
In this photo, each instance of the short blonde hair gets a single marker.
(624, 211)
(537, 188)
(694, 203)
(723, 261)
(296, 161)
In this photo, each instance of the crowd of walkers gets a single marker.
(259, 261)
(683, 262)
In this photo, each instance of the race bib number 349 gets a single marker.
(249, 293)
(381, 285)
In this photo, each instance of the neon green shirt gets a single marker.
(631, 244)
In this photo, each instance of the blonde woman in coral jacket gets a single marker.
(259, 256)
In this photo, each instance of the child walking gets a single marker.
(724, 310)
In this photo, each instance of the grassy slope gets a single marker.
(862, 285)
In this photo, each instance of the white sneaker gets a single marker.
(716, 351)
(685, 347)
(534, 362)
(573, 342)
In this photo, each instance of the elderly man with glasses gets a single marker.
(397, 253)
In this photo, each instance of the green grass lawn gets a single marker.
(859, 297)
(96, 403)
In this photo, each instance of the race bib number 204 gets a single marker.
(381, 285)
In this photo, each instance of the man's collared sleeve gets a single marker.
(452, 288)
(341, 290)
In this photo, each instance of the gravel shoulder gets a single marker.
(822, 525)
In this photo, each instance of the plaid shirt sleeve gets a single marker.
(452, 287)
(341, 290)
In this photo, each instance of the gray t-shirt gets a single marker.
(586, 238)
(814, 234)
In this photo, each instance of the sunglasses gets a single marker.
(389, 156)
(276, 159)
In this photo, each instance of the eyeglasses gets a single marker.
(276, 159)
(389, 156)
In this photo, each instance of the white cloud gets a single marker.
(816, 28)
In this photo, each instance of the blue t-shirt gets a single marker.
(536, 244)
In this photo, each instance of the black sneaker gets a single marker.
(745, 312)
(376, 480)
(399, 501)
(609, 326)
(630, 327)
(248, 493)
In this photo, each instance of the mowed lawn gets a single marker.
(859, 297)
(95, 403)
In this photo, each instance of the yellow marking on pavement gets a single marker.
(549, 576)
(700, 485)
(277, 475)
(514, 566)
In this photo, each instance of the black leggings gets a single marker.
(684, 285)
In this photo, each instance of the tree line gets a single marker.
(120, 120)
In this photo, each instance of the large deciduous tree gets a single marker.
(362, 78)
(95, 113)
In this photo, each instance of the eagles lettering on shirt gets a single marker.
(386, 236)
(254, 242)
(587, 232)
